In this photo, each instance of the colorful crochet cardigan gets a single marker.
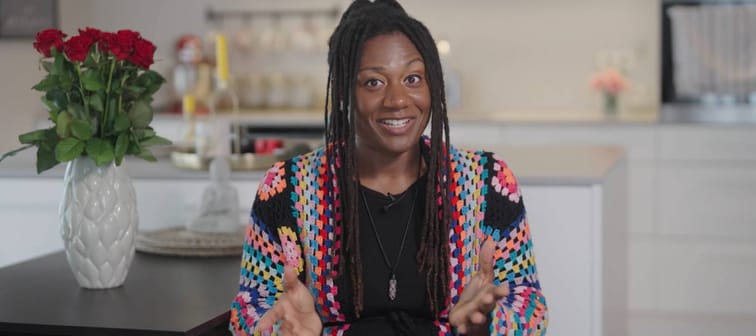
(292, 222)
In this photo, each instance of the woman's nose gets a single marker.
(396, 97)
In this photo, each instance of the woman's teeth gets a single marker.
(395, 122)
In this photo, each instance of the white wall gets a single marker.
(511, 55)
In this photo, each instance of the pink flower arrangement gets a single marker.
(609, 81)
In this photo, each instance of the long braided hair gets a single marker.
(363, 20)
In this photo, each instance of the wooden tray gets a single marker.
(179, 241)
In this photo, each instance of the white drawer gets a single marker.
(695, 142)
(707, 199)
(638, 141)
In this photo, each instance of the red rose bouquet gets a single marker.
(98, 92)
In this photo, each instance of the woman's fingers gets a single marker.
(487, 260)
(290, 278)
(294, 309)
(477, 318)
(501, 291)
(273, 315)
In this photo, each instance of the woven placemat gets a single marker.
(178, 241)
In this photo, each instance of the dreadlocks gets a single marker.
(362, 21)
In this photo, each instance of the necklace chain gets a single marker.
(392, 268)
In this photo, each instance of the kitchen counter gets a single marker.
(161, 296)
(539, 165)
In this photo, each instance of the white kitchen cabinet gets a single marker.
(707, 199)
(580, 244)
(707, 142)
(29, 223)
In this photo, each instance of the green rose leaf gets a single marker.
(45, 159)
(46, 65)
(63, 125)
(68, 149)
(146, 155)
(140, 114)
(58, 64)
(57, 98)
(47, 84)
(32, 137)
(50, 139)
(90, 61)
(155, 141)
(81, 129)
(76, 111)
(49, 105)
(136, 90)
(95, 101)
(144, 133)
(122, 123)
(91, 81)
(134, 147)
(121, 146)
(100, 151)
(151, 81)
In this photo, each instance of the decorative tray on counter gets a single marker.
(178, 241)
(246, 161)
(187, 158)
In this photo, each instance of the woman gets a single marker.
(357, 238)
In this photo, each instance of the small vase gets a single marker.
(611, 104)
(98, 222)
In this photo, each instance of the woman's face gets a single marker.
(393, 97)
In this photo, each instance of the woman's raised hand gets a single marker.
(295, 309)
(470, 314)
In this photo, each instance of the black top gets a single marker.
(161, 296)
(410, 312)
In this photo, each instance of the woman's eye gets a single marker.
(371, 83)
(414, 79)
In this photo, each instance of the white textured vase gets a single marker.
(98, 222)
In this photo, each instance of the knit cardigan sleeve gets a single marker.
(523, 311)
(270, 243)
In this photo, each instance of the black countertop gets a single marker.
(161, 296)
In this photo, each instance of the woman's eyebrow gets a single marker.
(379, 68)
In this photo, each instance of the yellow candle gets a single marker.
(221, 57)
(188, 104)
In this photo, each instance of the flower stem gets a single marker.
(81, 91)
(13, 152)
(123, 82)
(106, 114)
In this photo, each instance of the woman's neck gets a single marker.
(389, 173)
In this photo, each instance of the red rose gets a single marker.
(107, 43)
(143, 52)
(92, 33)
(77, 48)
(120, 44)
(49, 38)
(126, 40)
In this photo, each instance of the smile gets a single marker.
(395, 123)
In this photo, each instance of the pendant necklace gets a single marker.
(392, 283)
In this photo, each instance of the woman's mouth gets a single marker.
(395, 123)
